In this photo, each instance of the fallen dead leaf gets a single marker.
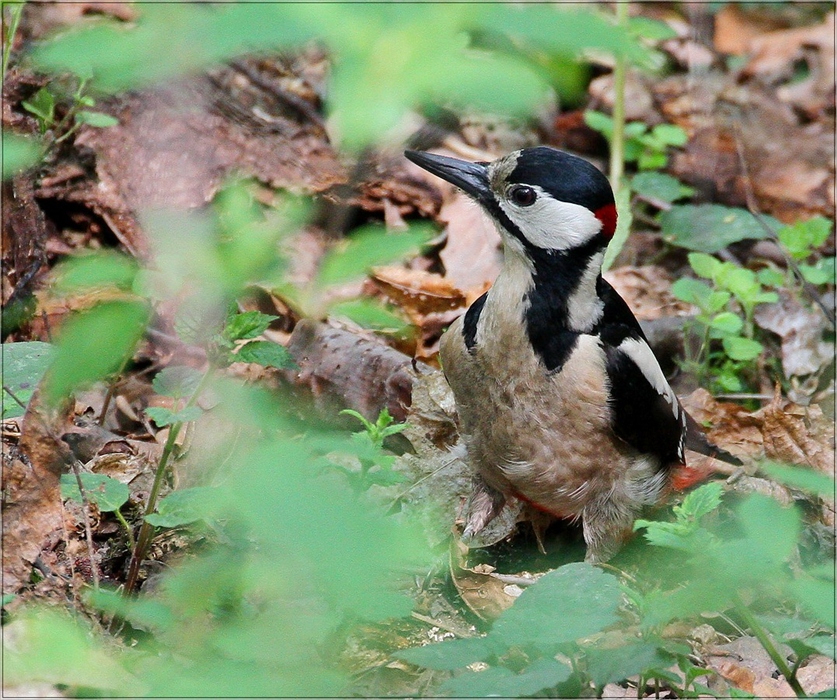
(647, 290)
(736, 27)
(418, 292)
(31, 493)
(484, 594)
(801, 329)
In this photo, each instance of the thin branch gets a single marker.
(88, 530)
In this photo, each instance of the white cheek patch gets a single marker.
(643, 358)
(551, 224)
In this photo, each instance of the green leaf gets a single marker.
(364, 249)
(107, 493)
(800, 477)
(94, 344)
(727, 322)
(717, 301)
(42, 105)
(101, 269)
(266, 353)
(742, 349)
(661, 534)
(803, 237)
(670, 134)
(652, 29)
(705, 265)
(177, 381)
(478, 684)
(97, 119)
(18, 153)
(184, 506)
(822, 272)
(570, 602)
(24, 365)
(448, 656)
(701, 501)
(652, 160)
(599, 121)
(163, 416)
(659, 187)
(692, 291)
(709, 228)
(248, 325)
(771, 277)
(370, 313)
(616, 664)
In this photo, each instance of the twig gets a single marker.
(441, 625)
(88, 530)
(752, 207)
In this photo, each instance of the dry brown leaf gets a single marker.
(418, 292)
(471, 256)
(797, 434)
(647, 290)
(801, 329)
(731, 426)
(735, 28)
(32, 497)
(740, 676)
(484, 594)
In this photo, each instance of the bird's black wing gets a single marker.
(645, 412)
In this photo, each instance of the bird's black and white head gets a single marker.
(544, 201)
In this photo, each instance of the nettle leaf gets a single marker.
(24, 365)
(661, 534)
(183, 507)
(107, 493)
(177, 381)
(742, 349)
(613, 665)
(478, 684)
(97, 119)
(19, 152)
(448, 656)
(692, 291)
(659, 186)
(163, 416)
(248, 325)
(709, 228)
(572, 601)
(803, 237)
(266, 353)
(702, 501)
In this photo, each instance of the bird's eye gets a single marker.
(523, 196)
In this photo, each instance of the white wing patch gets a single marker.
(584, 306)
(642, 357)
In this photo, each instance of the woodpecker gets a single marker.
(561, 401)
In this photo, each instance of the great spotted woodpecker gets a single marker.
(561, 401)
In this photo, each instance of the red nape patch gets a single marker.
(607, 215)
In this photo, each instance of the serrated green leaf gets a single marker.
(670, 134)
(183, 507)
(692, 291)
(477, 684)
(570, 602)
(177, 381)
(804, 237)
(448, 656)
(98, 119)
(616, 664)
(661, 534)
(247, 325)
(266, 353)
(24, 365)
(701, 501)
(107, 493)
(709, 228)
(742, 349)
(163, 416)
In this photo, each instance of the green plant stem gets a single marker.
(16, 11)
(769, 647)
(146, 533)
(617, 143)
(121, 518)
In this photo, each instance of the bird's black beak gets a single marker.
(470, 177)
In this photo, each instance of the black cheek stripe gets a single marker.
(469, 325)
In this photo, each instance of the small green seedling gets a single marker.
(647, 147)
(107, 493)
